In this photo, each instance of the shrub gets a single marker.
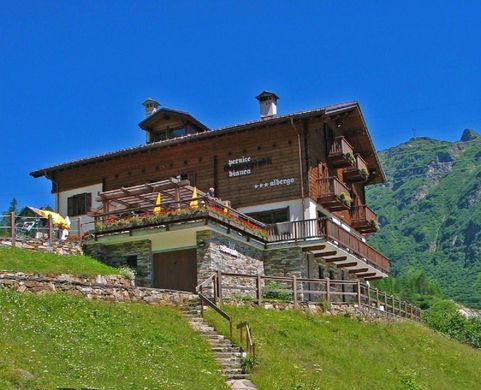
(127, 272)
(271, 292)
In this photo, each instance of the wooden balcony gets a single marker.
(306, 230)
(341, 153)
(357, 172)
(333, 194)
(363, 219)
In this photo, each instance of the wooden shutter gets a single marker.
(70, 206)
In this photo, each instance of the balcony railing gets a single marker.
(341, 152)
(333, 194)
(364, 219)
(324, 228)
(358, 172)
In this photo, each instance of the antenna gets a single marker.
(414, 132)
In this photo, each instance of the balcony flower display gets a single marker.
(151, 219)
(346, 199)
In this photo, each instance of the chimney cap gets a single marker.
(266, 94)
(150, 100)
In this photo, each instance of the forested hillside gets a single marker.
(430, 212)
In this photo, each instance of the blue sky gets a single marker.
(73, 74)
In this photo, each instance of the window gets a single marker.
(79, 204)
(271, 216)
(321, 272)
(132, 261)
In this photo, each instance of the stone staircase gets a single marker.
(227, 355)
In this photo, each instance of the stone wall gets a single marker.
(108, 288)
(216, 251)
(73, 248)
(116, 255)
(285, 262)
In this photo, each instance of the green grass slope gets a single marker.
(22, 260)
(67, 341)
(430, 212)
(299, 351)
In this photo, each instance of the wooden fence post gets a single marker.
(50, 230)
(328, 293)
(214, 288)
(12, 227)
(80, 230)
(219, 286)
(294, 290)
(369, 295)
(359, 293)
(377, 298)
(259, 289)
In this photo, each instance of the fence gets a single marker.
(18, 227)
(304, 290)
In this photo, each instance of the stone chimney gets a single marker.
(267, 104)
(151, 106)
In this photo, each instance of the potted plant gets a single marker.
(346, 199)
(374, 225)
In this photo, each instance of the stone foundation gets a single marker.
(225, 254)
(107, 288)
(116, 255)
(72, 248)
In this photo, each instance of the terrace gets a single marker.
(173, 204)
(341, 153)
(357, 172)
(333, 194)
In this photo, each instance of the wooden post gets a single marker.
(80, 230)
(50, 230)
(214, 288)
(385, 303)
(294, 290)
(219, 287)
(328, 293)
(359, 293)
(201, 302)
(259, 289)
(12, 228)
(377, 298)
(369, 296)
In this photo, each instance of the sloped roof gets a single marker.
(326, 110)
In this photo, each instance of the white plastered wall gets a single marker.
(62, 205)
(295, 208)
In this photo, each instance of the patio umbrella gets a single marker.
(158, 202)
(194, 204)
(57, 219)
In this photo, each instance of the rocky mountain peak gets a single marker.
(469, 135)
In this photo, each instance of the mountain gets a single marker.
(430, 212)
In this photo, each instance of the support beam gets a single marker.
(323, 254)
(374, 277)
(345, 265)
(366, 275)
(358, 271)
(334, 259)
(314, 248)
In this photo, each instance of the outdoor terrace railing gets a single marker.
(324, 228)
(297, 290)
(16, 227)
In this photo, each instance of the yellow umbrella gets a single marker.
(158, 202)
(194, 204)
(57, 219)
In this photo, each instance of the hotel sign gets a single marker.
(244, 165)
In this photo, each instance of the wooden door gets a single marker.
(176, 270)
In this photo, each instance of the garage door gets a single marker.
(176, 270)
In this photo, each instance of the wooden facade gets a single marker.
(262, 162)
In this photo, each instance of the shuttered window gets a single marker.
(79, 204)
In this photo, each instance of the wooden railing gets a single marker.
(340, 146)
(362, 213)
(297, 290)
(332, 186)
(352, 242)
(245, 337)
(296, 230)
(360, 163)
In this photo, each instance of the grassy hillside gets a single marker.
(430, 212)
(22, 260)
(299, 351)
(54, 340)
